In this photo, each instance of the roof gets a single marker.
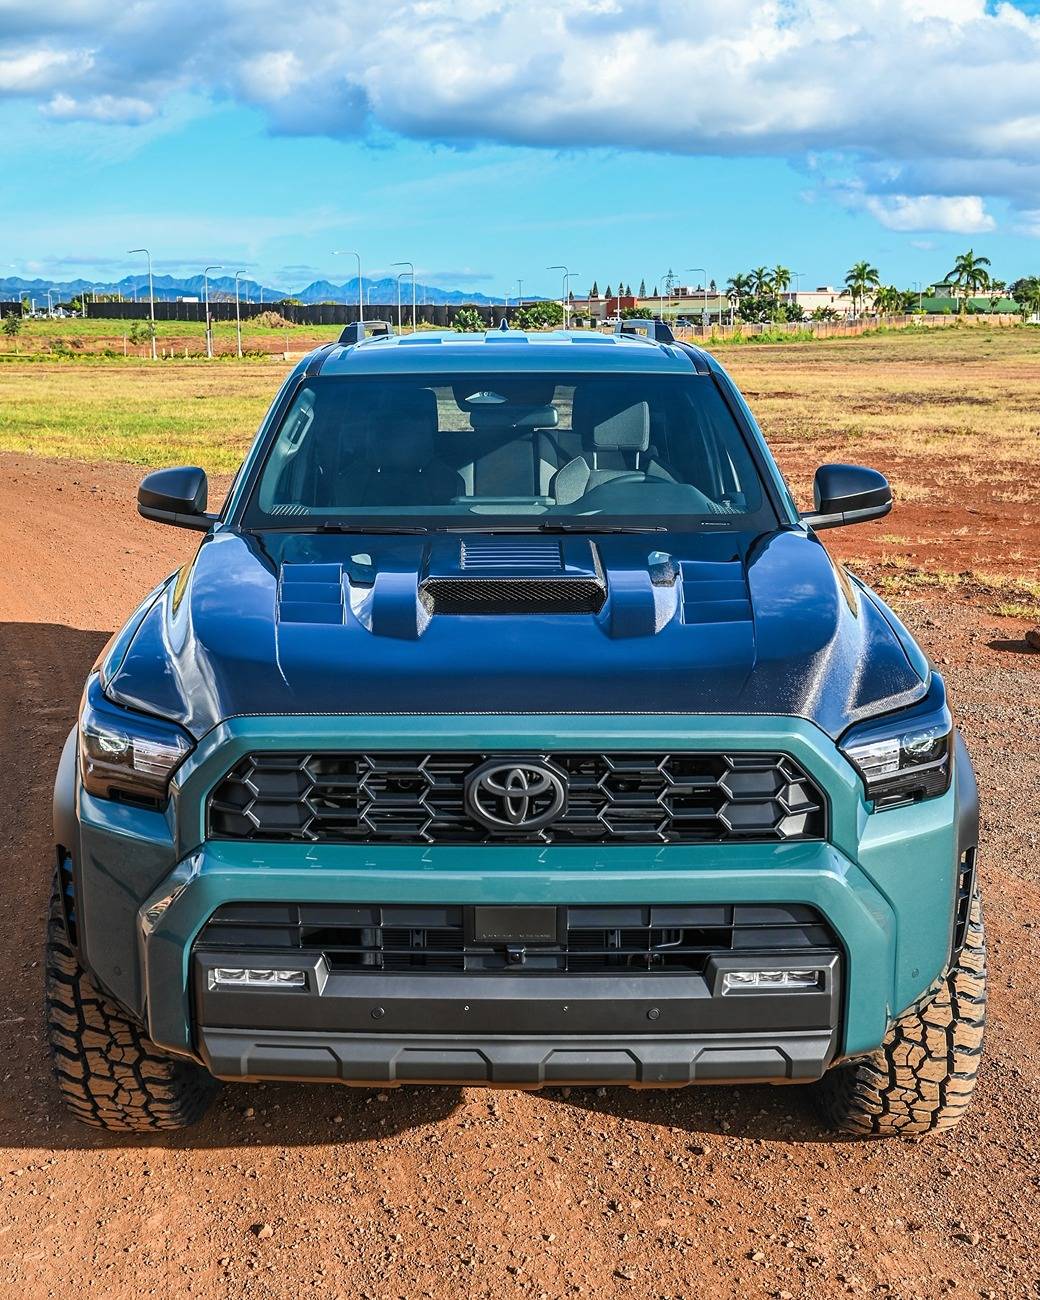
(560, 351)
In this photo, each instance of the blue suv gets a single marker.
(511, 726)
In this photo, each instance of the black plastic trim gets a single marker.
(967, 797)
(525, 1062)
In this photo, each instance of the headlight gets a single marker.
(907, 757)
(124, 755)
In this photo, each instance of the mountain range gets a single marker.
(167, 288)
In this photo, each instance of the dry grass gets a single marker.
(969, 396)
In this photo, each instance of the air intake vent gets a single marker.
(541, 595)
(590, 940)
(510, 553)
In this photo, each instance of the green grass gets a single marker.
(191, 412)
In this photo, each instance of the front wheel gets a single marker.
(109, 1073)
(923, 1075)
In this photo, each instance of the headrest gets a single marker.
(609, 420)
(627, 430)
(403, 430)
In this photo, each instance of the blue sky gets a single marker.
(485, 139)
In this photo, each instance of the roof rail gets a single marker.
(653, 329)
(362, 329)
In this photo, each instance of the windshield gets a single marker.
(480, 450)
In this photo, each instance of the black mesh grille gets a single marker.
(593, 940)
(965, 889)
(512, 595)
(416, 798)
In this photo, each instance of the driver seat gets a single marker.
(615, 436)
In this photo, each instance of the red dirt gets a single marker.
(461, 1192)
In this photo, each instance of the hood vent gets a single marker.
(506, 595)
(482, 554)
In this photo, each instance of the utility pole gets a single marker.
(705, 274)
(238, 316)
(339, 252)
(209, 325)
(566, 284)
(151, 294)
(412, 269)
(519, 293)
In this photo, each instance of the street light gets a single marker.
(566, 284)
(519, 293)
(209, 327)
(238, 316)
(412, 269)
(352, 252)
(705, 274)
(151, 293)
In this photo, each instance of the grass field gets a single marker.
(950, 415)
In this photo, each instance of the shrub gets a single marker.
(468, 321)
(540, 316)
(271, 320)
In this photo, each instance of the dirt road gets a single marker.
(462, 1192)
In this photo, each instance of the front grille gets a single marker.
(512, 595)
(415, 798)
(593, 940)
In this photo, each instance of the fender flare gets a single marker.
(967, 795)
(66, 828)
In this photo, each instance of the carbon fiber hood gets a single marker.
(660, 623)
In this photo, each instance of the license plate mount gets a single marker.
(515, 925)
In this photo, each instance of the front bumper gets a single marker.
(523, 1030)
(147, 883)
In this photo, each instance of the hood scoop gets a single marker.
(517, 575)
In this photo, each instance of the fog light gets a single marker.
(253, 977)
(735, 981)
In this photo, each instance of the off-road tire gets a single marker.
(922, 1077)
(109, 1073)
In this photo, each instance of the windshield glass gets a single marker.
(456, 450)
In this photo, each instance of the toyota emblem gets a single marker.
(515, 794)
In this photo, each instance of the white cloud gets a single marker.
(917, 96)
(962, 214)
(99, 108)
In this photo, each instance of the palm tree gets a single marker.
(860, 280)
(969, 274)
(761, 281)
(889, 300)
(737, 287)
(1026, 292)
(781, 279)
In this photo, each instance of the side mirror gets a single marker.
(847, 494)
(176, 496)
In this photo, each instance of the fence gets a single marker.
(828, 329)
(324, 313)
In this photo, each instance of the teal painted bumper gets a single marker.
(149, 881)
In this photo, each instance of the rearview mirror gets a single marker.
(176, 496)
(847, 494)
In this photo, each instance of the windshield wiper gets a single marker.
(337, 528)
(553, 526)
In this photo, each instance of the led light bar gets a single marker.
(254, 977)
(738, 981)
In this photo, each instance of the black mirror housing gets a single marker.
(176, 496)
(847, 494)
